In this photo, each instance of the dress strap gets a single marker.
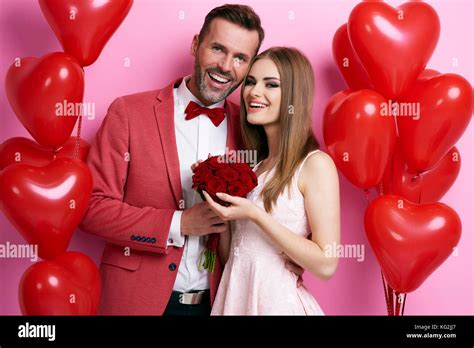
(298, 171)
(256, 166)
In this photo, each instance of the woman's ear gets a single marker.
(194, 45)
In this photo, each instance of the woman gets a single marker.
(297, 193)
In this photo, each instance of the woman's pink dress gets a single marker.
(255, 280)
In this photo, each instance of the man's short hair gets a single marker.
(241, 15)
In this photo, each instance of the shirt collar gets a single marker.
(185, 96)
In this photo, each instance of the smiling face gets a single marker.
(221, 60)
(262, 93)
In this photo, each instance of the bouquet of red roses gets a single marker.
(216, 174)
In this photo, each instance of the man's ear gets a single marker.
(194, 45)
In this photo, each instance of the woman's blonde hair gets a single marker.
(296, 136)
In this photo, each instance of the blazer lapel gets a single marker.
(164, 114)
(232, 142)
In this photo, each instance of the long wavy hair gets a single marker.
(296, 136)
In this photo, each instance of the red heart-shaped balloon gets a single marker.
(27, 151)
(444, 114)
(426, 187)
(409, 240)
(38, 89)
(393, 44)
(83, 27)
(428, 74)
(347, 61)
(67, 285)
(359, 139)
(472, 104)
(46, 204)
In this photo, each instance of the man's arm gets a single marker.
(108, 217)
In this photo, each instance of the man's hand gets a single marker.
(293, 267)
(200, 220)
(195, 165)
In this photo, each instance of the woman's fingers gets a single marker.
(214, 206)
(226, 198)
(207, 197)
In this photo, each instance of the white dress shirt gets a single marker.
(195, 139)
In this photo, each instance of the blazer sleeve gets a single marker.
(108, 217)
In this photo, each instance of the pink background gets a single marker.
(157, 43)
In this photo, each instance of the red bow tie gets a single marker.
(193, 110)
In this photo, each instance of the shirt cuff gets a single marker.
(174, 237)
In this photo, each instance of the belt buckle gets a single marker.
(190, 298)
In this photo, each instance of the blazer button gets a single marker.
(148, 239)
(153, 240)
(172, 266)
(133, 237)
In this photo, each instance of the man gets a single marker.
(142, 202)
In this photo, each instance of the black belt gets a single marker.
(192, 297)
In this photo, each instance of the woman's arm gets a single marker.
(320, 187)
(224, 244)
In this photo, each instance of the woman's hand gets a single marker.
(240, 208)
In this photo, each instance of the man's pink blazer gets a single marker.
(137, 188)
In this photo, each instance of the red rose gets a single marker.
(197, 179)
(206, 167)
(207, 173)
(201, 175)
(214, 162)
(253, 178)
(249, 179)
(214, 185)
(237, 189)
(228, 174)
(216, 175)
(241, 167)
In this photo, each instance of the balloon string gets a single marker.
(385, 292)
(397, 304)
(390, 299)
(401, 298)
(404, 301)
(78, 138)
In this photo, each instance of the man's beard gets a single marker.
(204, 90)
